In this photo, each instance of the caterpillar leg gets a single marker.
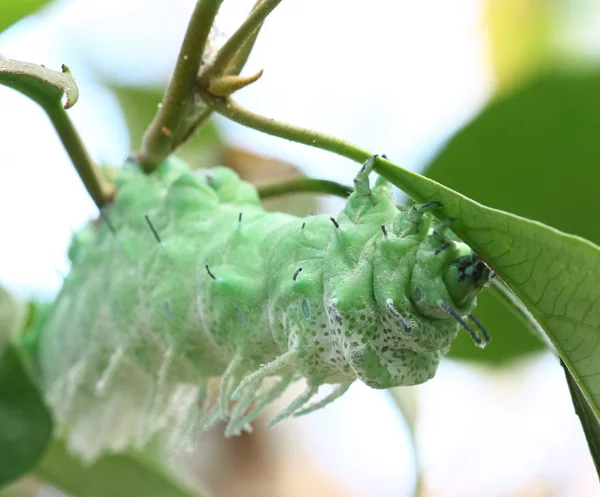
(190, 426)
(164, 404)
(157, 396)
(268, 369)
(480, 342)
(184, 435)
(205, 416)
(109, 372)
(238, 422)
(338, 391)
(209, 419)
(295, 405)
(231, 377)
(249, 396)
(62, 392)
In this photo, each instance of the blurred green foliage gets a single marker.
(12, 11)
(26, 426)
(11, 317)
(123, 475)
(25, 423)
(521, 37)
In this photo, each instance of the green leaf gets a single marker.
(39, 83)
(25, 426)
(589, 421)
(555, 275)
(12, 313)
(123, 475)
(12, 11)
(25, 487)
(534, 153)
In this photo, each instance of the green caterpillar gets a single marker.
(188, 278)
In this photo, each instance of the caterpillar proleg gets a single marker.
(190, 279)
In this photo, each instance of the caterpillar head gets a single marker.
(465, 277)
(425, 287)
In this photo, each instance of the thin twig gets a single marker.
(230, 109)
(233, 111)
(247, 31)
(234, 68)
(47, 88)
(237, 63)
(406, 401)
(99, 189)
(156, 144)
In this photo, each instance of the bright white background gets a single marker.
(396, 77)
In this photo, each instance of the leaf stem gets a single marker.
(410, 182)
(100, 191)
(230, 109)
(156, 144)
(404, 178)
(309, 185)
(47, 88)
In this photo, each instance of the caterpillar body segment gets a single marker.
(187, 278)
